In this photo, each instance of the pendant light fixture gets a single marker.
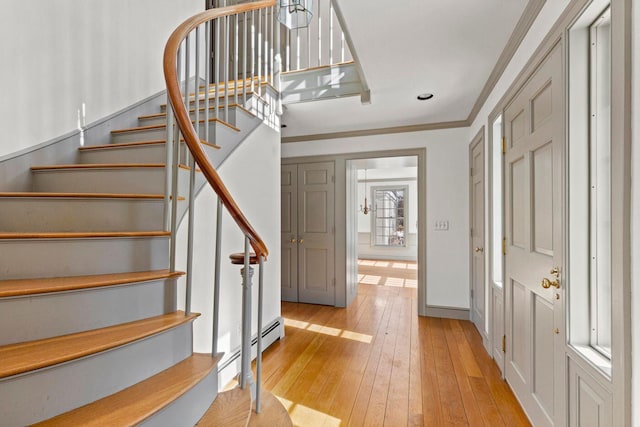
(295, 13)
(367, 207)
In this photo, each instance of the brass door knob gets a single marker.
(300, 240)
(293, 240)
(546, 283)
(478, 249)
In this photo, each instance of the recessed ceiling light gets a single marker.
(425, 96)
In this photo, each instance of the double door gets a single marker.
(308, 233)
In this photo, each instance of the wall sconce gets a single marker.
(295, 13)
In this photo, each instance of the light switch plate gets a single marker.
(442, 225)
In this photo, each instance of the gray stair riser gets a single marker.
(139, 135)
(149, 134)
(76, 214)
(153, 153)
(117, 180)
(160, 120)
(48, 315)
(43, 394)
(190, 407)
(30, 258)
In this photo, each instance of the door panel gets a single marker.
(535, 365)
(307, 233)
(478, 287)
(316, 233)
(289, 231)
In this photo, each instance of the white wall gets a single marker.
(256, 191)
(447, 253)
(635, 218)
(59, 55)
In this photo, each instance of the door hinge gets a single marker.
(470, 171)
(333, 178)
(504, 145)
(504, 343)
(504, 246)
(333, 282)
(471, 293)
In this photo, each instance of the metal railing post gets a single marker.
(175, 141)
(259, 349)
(246, 378)
(216, 280)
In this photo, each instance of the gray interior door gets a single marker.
(289, 233)
(478, 288)
(316, 278)
(534, 299)
(307, 224)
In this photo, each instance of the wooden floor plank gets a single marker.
(472, 411)
(377, 363)
(415, 416)
(397, 405)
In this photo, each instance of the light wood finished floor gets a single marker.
(377, 363)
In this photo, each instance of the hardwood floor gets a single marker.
(377, 363)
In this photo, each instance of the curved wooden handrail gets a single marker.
(170, 65)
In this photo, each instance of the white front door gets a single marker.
(535, 330)
(476, 182)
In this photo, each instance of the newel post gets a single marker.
(246, 259)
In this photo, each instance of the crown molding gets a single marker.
(377, 131)
(521, 29)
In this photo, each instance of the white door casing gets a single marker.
(533, 168)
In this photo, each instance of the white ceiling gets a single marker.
(408, 47)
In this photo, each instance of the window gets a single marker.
(588, 270)
(496, 201)
(389, 216)
(600, 184)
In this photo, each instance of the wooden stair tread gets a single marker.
(82, 195)
(81, 166)
(192, 99)
(163, 126)
(140, 401)
(81, 234)
(193, 110)
(137, 144)
(28, 356)
(22, 287)
(231, 409)
(272, 413)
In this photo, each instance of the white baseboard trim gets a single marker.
(230, 367)
(448, 312)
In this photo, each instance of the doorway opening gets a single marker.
(384, 214)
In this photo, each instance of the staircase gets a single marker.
(90, 331)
